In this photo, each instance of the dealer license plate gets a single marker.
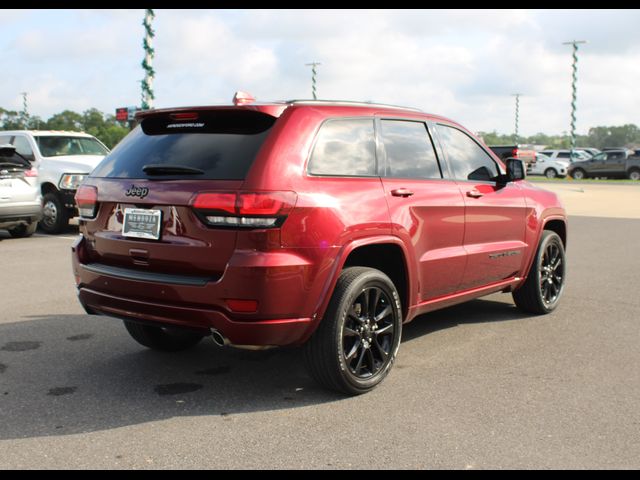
(141, 223)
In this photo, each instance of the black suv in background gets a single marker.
(620, 163)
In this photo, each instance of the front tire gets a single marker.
(356, 343)
(544, 286)
(162, 339)
(634, 175)
(550, 173)
(54, 214)
(579, 174)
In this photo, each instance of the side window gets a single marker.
(410, 153)
(563, 154)
(345, 147)
(467, 159)
(5, 139)
(23, 147)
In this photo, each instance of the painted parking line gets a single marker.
(65, 237)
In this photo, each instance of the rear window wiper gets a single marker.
(159, 169)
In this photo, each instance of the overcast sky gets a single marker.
(462, 64)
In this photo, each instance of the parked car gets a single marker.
(514, 151)
(20, 208)
(62, 159)
(566, 155)
(608, 164)
(323, 224)
(550, 168)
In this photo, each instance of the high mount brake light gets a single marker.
(87, 200)
(244, 209)
(184, 116)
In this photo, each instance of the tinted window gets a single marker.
(223, 145)
(467, 159)
(344, 147)
(563, 155)
(23, 147)
(410, 153)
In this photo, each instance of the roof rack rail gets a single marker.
(348, 103)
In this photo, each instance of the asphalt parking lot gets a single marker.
(475, 386)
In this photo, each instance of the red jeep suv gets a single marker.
(323, 224)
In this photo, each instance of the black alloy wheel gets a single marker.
(552, 273)
(368, 333)
(355, 345)
(546, 280)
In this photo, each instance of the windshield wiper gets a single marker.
(171, 170)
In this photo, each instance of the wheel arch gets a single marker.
(48, 187)
(387, 254)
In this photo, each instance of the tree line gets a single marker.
(104, 127)
(109, 131)
(597, 137)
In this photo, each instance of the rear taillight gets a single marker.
(87, 200)
(33, 172)
(514, 153)
(244, 209)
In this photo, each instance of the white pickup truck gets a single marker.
(62, 159)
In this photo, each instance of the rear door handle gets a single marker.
(401, 192)
(474, 193)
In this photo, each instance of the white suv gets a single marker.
(578, 155)
(550, 168)
(62, 159)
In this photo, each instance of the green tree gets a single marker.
(66, 120)
(11, 120)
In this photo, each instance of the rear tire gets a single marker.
(162, 339)
(634, 174)
(54, 214)
(544, 286)
(24, 230)
(356, 343)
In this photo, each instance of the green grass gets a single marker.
(542, 179)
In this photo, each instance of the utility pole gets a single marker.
(517, 95)
(574, 81)
(25, 111)
(313, 66)
(147, 63)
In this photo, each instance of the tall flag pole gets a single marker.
(574, 95)
(313, 66)
(147, 63)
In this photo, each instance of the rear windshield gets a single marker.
(222, 145)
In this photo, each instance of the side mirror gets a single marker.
(515, 170)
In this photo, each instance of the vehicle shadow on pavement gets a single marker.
(69, 374)
(475, 311)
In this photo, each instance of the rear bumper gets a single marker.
(289, 331)
(15, 214)
(284, 285)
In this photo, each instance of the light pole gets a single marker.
(574, 81)
(313, 66)
(517, 95)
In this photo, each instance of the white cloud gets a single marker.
(462, 64)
